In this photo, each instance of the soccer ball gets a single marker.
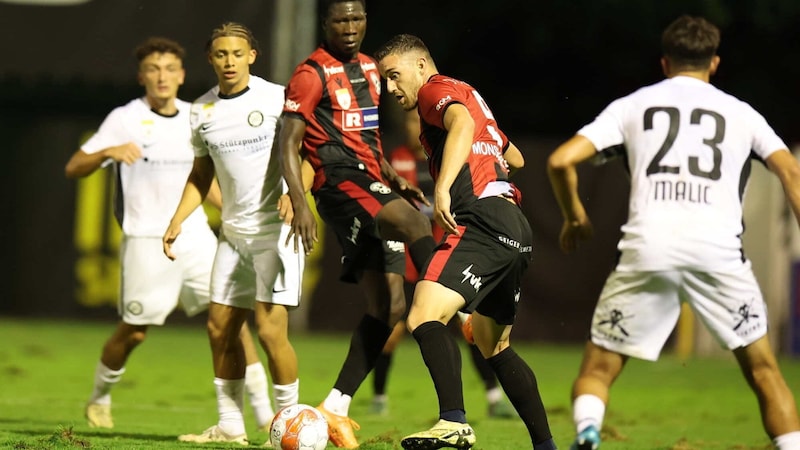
(299, 427)
(466, 329)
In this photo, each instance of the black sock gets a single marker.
(420, 250)
(365, 346)
(441, 354)
(381, 373)
(519, 383)
(483, 368)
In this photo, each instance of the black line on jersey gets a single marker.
(234, 95)
(363, 100)
(168, 116)
(324, 109)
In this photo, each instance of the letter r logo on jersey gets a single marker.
(360, 119)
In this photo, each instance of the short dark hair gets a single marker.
(325, 6)
(233, 29)
(690, 42)
(158, 45)
(401, 43)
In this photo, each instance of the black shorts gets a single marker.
(348, 202)
(486, 262)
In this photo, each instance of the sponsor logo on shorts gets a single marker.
(742, 317)
(134, 308)
(355, 228)
(380, 188)
(255, 118)
(474, 281)
(614, 322)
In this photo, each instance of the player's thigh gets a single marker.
(233, 277)
(490, 336)
(433, 302)
(151, 283)
(730, 304)
(197, 263)
(636, 313)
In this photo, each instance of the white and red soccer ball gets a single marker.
(299, 427)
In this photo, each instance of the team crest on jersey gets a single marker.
(376, 80)
(255, 118)
(360, 119)
(343, 97)
(379, 188)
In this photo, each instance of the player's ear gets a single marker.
(712, 68)
(665, 66)
(252, 57)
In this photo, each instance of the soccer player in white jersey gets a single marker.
(688, 148)
(233, 127)
(147, 141)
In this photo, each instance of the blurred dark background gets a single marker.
(545, 69)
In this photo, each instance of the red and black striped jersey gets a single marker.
(339, 103)
(485, 165)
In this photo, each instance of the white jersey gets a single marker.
(688, 146)
(238, 132)
(149, 190)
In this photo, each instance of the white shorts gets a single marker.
(637, 311)
(250, 270)
(152, 285)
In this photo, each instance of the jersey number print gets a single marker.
(674, 124)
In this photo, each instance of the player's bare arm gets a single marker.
(514, 158)
(304, 225)
(460, 129)
(285, 208)
(783, 164)
(195, 191)
(564, 180)
(82, 164)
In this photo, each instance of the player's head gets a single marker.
(231, 50)
(406, 64)
(160, 67)
(689, 44)
(344, 24)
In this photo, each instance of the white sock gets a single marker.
(788, 441)
(337, 403)
(230, 400)
(255, 383)
(494, 395)
(104, 380)
(286, 394)
(588, 410)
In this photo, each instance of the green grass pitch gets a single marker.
(46, 370)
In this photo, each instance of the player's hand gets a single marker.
(304, 230)
(169, 238)
(126, 153)
(442, 215)
(285, 209)
(410, 192)
(574, 231)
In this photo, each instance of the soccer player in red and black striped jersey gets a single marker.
(478, 267)
(330, 118)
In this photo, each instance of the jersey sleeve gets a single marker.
(111, 133)
(303, 92)
(765, 140)
(198, 145)
(607, 128)
(433, 100)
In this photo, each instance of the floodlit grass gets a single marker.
(46, 370)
